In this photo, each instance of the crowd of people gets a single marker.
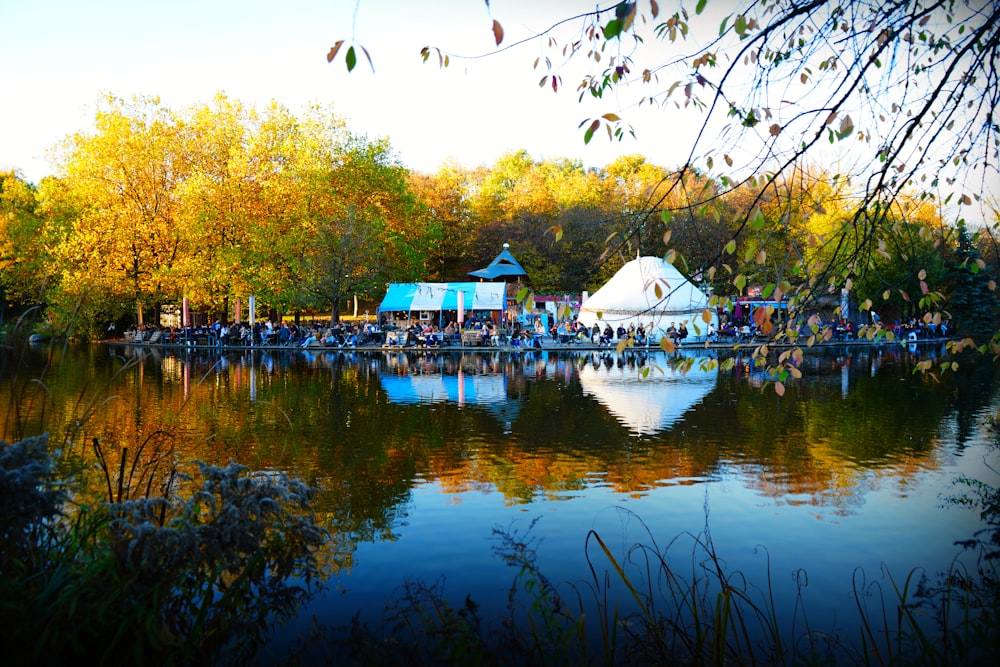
(484, 331)
(281, 334)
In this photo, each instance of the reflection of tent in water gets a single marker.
(648, 404)
(645, 290)
(485, 391)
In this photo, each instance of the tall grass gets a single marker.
(178, 563)
(679, 604)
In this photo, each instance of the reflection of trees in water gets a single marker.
(325, 416)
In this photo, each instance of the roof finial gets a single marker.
(506, 246)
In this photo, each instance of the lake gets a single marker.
(420, 456)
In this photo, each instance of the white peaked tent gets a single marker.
(648, 290)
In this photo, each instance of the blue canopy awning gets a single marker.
(399, 296)
(444, 296)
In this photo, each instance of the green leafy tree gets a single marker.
(971, 292)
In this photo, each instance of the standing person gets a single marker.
(539, 333)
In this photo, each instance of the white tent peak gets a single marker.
(648, 290)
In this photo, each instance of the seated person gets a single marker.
(607, 335)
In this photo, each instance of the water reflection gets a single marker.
(387, 435)
(646, 401)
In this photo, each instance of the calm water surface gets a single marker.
(421, 456)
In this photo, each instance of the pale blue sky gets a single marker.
(59, 55)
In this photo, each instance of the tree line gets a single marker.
(220, 201)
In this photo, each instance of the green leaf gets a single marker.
(700, 6)
(741, 25)
(665, 216)
(758, 220)
(351, 59)
(767, 291)
(731, 247)
(722, 26)
(612, 29)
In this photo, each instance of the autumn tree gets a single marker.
(22, 249)
(226, 199)
(445, 197)
(361, 224)
(122, 180)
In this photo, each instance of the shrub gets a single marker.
(177, 579)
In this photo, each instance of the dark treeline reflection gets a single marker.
(366, 426)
